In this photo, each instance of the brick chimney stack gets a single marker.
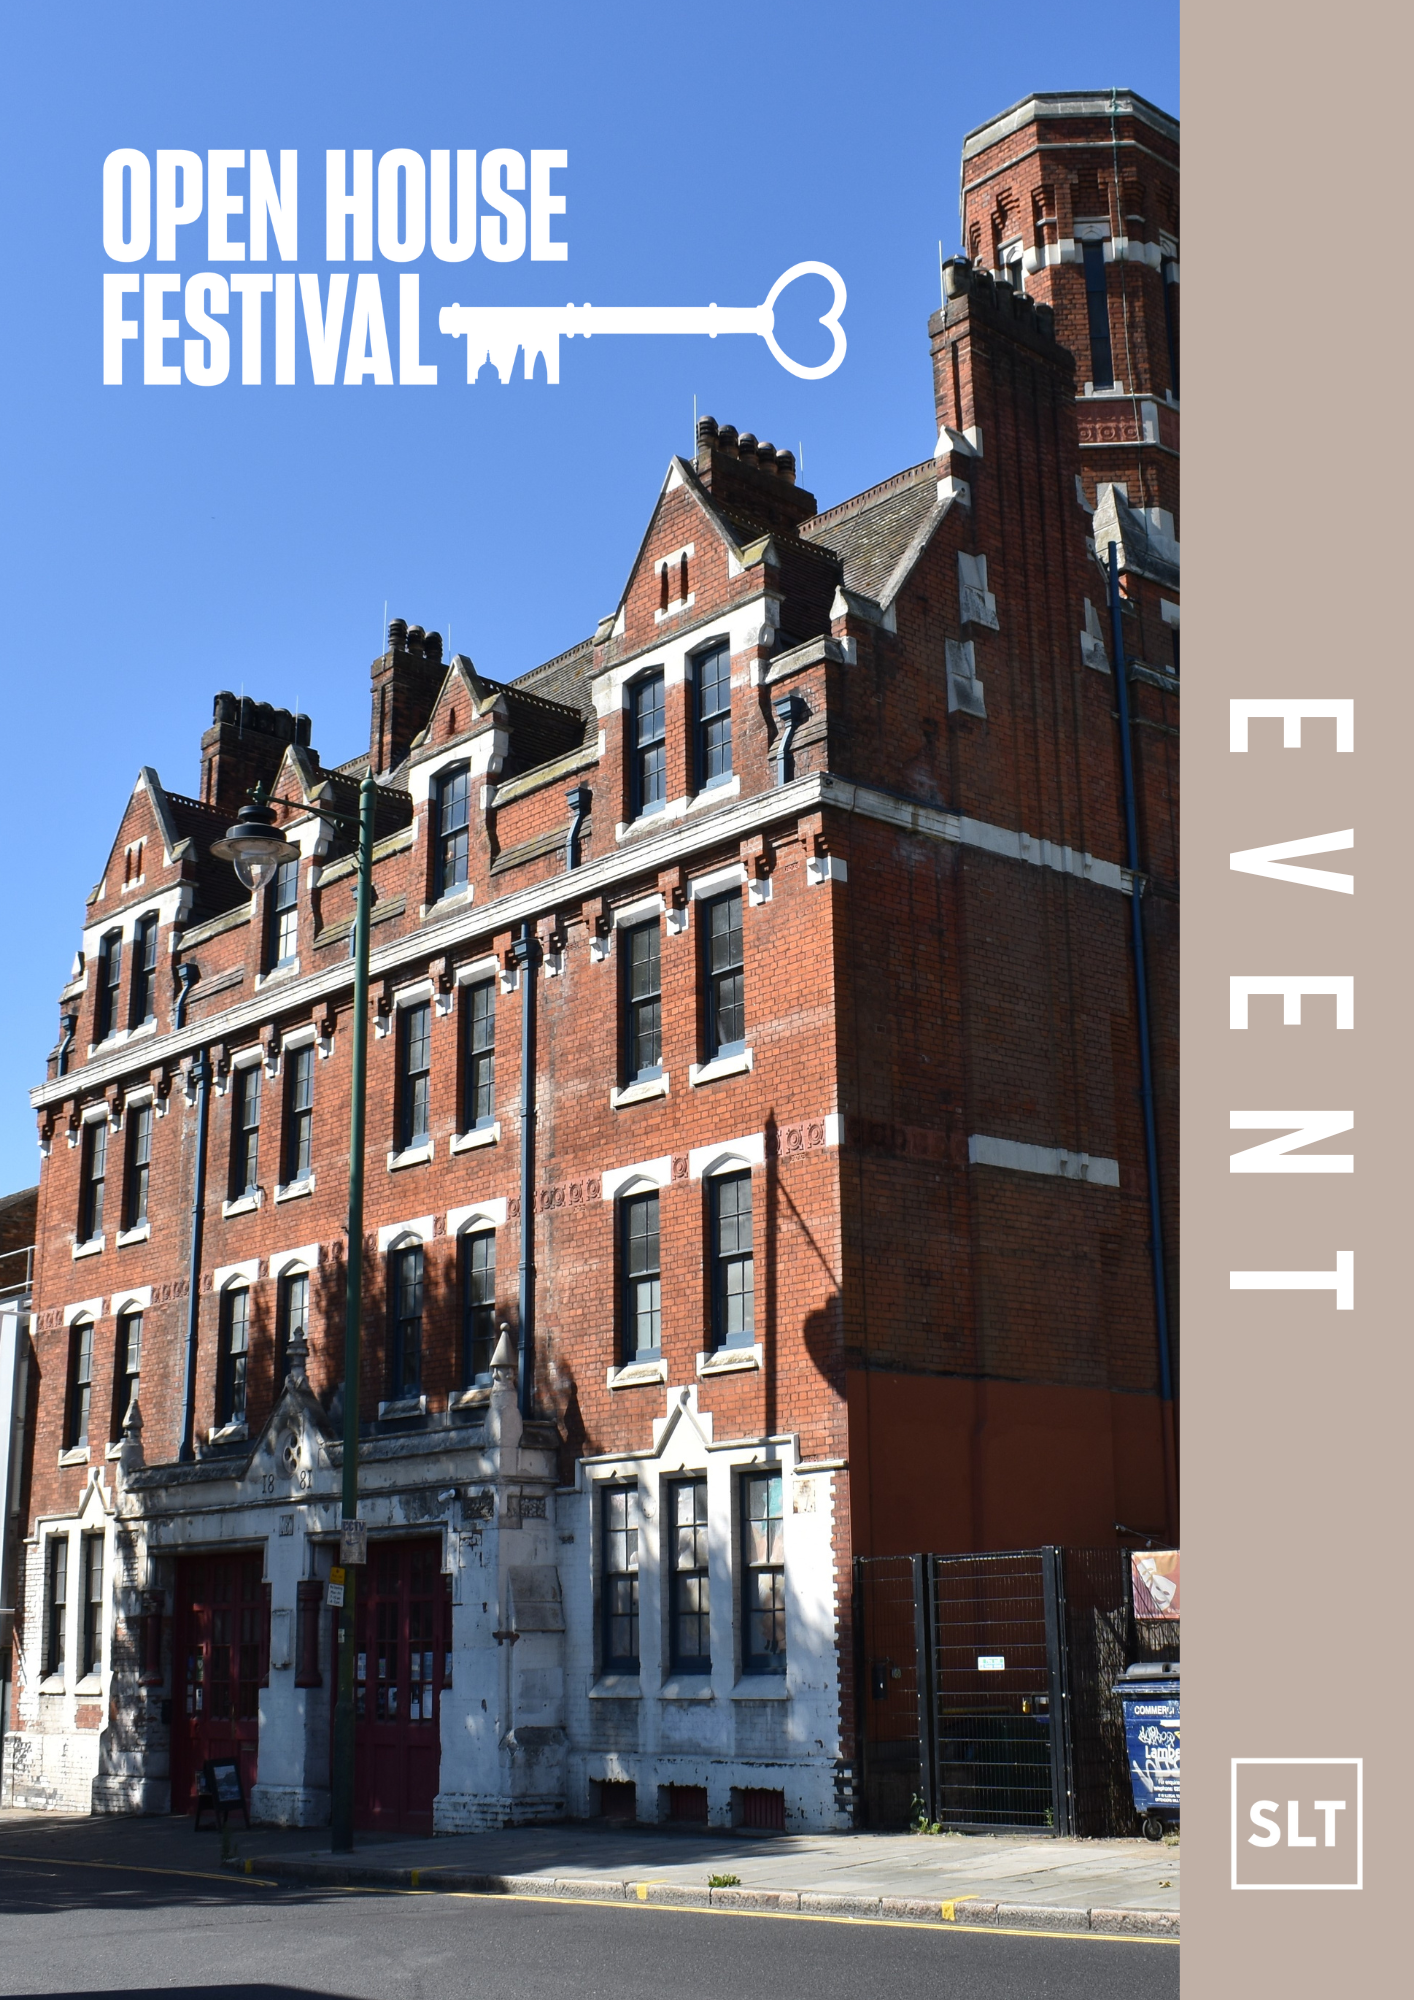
(750, 479)
(244, 746)
(406, 682)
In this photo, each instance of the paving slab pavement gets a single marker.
(1030, 1881)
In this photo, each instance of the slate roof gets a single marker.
(873, 532)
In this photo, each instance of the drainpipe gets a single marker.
(187, 976)
(201, 1074)
(526, 951)
(1146, 1074)
(68, 1024)
(577, 797)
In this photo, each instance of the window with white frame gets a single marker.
(127, 1368)
(642, 1278)
(284, 915)
(142, 1005)
(619, 1597)
(414, 1074)
(689, 1585)
(732, 1260)
(91, 1638)
(405, 1286)
(643, 1002)
(712, 703)
(478, 1276)
(110, 982)
(234, 1356)
(648, 744)
(763, 1578)
(479, 1093)
(726, 985)
(452, 819)
(299, 1114)
(245, 1132)
(95, 1174)
(291, 1318)
(139, 1165)
(80, 1397)
(56, 1604)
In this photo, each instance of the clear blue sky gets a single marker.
(161, 544)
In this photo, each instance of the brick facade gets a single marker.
(934, 1098)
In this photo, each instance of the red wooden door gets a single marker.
(220, 1653)
(402, 1662)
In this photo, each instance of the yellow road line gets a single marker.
(134, 1868)
(722, 1910)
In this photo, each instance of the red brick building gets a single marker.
(804, 880)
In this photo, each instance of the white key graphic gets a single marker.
(493, 333)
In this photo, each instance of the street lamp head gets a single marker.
(254, 845)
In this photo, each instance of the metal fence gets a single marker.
(985, 1689)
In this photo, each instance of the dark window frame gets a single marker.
(405, 1325)
(712, 727)
(95, 1179)
(299, 1115)
(233, 1381)
(91, 1567)
(643, 1011)
(728, 1258)
(451, 868)
(110, 985)
(1097, 306)
(689, 1583)
(632, 1310)
(648, 765)
(137, 1178)
(726, 1009)
(479, 1055)
(762, 1580)
(78, 1412)
(248, 1090)
(414, 1074)
(476, 1256)
(284, 916)
(619, 1609)
(1169, 272)
(142, 997)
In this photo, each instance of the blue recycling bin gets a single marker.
(1149, 1695)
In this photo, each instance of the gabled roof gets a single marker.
(879, 534)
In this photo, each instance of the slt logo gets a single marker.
(1297, 1823)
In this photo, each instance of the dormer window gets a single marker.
(284, 915)
(143, 1006)
(110, 981)
(648, 743)
(453, 838)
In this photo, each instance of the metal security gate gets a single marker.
(984, 1685)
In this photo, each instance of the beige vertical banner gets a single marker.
(1297, 1026)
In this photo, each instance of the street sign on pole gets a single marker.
(353, 1542)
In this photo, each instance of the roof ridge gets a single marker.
(912, 475)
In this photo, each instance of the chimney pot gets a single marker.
(766, 457)
(785, 466)
(746, 444)
(726, 440)
(432, 646)
(397, 635)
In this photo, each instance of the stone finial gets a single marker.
(503, 1361)
(296, 1355)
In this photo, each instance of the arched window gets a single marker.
(642, 1292)
(80, 1385)
(291, 1317)
(234, 1356)
(478, 1278)
(127, 1369)
(405, 1281)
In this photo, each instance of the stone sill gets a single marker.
(90, 1684)
(617, 1687)
(292, 1190)
(730, 1360)
(687, 1687)
(76, 1455)
(761, 1687)
(446, 906)
(114, 1450)
(639, 1093)
(288, 970)
(405, 1406)
(244, 1204)
(91, 1248)
(470, 1399)
(228, 1434)
(411, 1156)
(734, 1065)
(139, 1233)
(52, 1684)
(482, 1135)
(637, 1374)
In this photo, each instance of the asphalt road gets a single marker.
(81, 1930)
